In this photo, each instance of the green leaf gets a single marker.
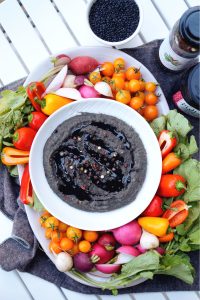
(13, 171)
(158, 124)
(194, 213)
(193, 148)
(178, 123)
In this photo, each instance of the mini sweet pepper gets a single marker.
(154, 225)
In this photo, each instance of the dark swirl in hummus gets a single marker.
(95, 162)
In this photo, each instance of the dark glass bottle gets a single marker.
(187, 98)
(182, 47)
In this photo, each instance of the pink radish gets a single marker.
(100, 255)
(107, 240)
(139, 247)
(160, 250)
(57, 82)
(70, 93)
(128, 234)
(88, 92)
(82, 262)
(128, 250)
(83, 64)
(108, 268)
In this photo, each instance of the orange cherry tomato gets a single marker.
(136, 103)
(140, 94)
(74, 250)
(62, 227)
(56, 236)
(142, 85)
(126, 85)
(90, 236)
(150, 112)
(74, 233)
(117, 83)
(66, 244)
(123, 96)
(150, 86)
(134, 85)
(106, 79)
(54, 247)
(94, 77)
(119, 74)
(84, 246)
(166, 238)
(44, 216)
(133, 73)
(52, 223)
(48, 233)
(107, 69)
(119, 64)
(151, 99)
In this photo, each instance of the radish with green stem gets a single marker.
(108, 241)
(100, 255)
(63, 262)
(82, 262)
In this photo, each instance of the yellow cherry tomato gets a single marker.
(74, 233)
(94, 77)
(119, 64)
(84, 246)
(123, 96)
(52, 223)
(134, 85)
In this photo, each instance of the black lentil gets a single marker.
(114, 20)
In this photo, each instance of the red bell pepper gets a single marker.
(35, 90)
(167, 142)
(26, 189)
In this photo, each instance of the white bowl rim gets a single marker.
(141, 16)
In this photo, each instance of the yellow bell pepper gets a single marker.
(53, 102)
(154, 225)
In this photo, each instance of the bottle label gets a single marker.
(170, 59)
(184, 106)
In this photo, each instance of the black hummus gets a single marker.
(95, 162)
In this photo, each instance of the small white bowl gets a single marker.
(91, 2)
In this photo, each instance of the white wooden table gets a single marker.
(30, 30)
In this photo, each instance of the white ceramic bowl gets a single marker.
(90, 220)
(91, 2)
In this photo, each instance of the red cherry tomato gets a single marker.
(36, 119)
(23, 138)
(155, 208)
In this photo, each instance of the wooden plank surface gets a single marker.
(182, 295)
(77, 296)
(151, 296)
(5, 227)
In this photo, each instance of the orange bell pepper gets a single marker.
(155, 225)
(11, 156)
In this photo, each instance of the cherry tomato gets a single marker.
(56, 236)
(66, 244)
(74, 250)
(44, 217)
(136, 103)
(23, 138)
(117, 83)
(84, 246)
(36, 119)
(171, 185)
(134, 86)
(166, 238)
(155, 208)
(94, 77)
(150, 86)
(62, 227)
(74, 234)
(90, 236)
(52, 223)
(106, 79)
(126, 85)
(119, 64)
(55, 247)
(133, 73)
(123, 96)
(177, 213)
(140, 94)
(150, 112)
(142, 85)
(119, 74)
(151, 99)
(48, 233)
(107, 69)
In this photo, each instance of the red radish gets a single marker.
(107, 240)
(128, 234)
(61, 59)
(160, 250)
(100, 255)
(139, 247)
(108, 268)
(128, 250)
(83, 64)
(82, 262)
(88, 92)
(57, 82)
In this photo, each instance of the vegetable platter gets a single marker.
(157, 241)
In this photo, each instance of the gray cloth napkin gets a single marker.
(21, 251)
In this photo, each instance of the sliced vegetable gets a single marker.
(177, 213)
(167, 238)
(82, 262)
(128, 234)
(26, 189)
(170, 162)
(53, 102)
(155, 208)
(88, 92)
(70, 93)
(35, 91)
(63, 262)
(108, 268)
(130, 250)
(11, 156)
(83, 64)
(57, 82)
(23, 138)
(171, 185)
(148, 240)
(167, 142)
(104, 89)
(155, 225)
(36, 119)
